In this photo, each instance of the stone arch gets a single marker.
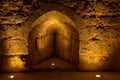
(53, 35)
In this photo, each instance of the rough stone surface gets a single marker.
(12, 64)
(99, 27)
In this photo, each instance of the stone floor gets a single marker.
(61, 76)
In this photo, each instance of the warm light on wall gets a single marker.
(13, 64)
(93, 58)
(97, 52)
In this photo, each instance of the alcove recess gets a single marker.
(53, 43)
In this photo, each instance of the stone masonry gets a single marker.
(97, 21)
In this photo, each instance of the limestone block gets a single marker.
(13, 47)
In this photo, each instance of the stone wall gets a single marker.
(98, 27)
(99, 36)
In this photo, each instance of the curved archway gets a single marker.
(53, 36)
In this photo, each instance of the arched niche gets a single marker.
(53, 36)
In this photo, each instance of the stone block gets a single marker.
(13, 47)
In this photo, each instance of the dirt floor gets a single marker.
(61, 76)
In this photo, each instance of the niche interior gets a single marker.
(53, 43)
